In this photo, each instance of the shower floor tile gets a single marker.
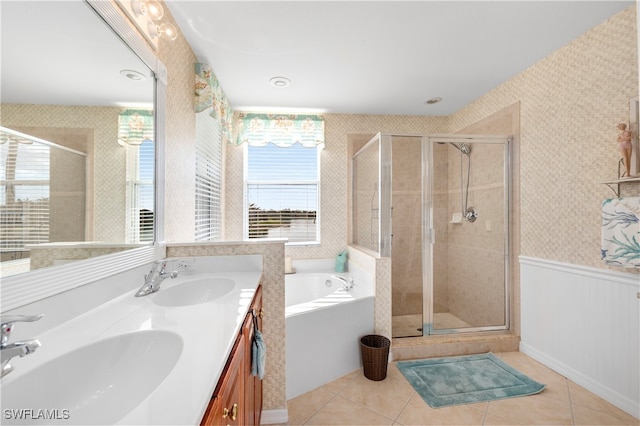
(411, 325)
(448, 320)
(406, 325)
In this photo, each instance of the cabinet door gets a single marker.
(228, 405)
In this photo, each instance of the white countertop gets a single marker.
(208, 331)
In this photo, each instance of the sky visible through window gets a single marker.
(287, 176)
(146, 174)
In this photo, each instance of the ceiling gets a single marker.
(63, 53)
(376, 57)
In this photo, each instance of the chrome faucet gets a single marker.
(347, 282)
(11, 350)
(154, 278)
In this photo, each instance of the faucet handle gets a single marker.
(7, 324)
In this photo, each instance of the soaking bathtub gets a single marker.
(324, 323)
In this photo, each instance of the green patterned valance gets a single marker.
(280, 129)
(209, 95)
(135, 126)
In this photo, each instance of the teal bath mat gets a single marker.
(466, 379)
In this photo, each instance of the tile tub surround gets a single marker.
(183, 395)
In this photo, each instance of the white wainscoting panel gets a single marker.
(584, 323)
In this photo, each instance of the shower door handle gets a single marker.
(432, 235)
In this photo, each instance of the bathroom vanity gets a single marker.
(181, 355)
(237, 399)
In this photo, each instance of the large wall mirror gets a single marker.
(80, 129)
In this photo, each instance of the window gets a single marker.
(140, 192)
(24, 193)
(31, 193)
(208, 179)
(282, 193)
(136, 134)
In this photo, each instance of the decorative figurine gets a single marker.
(624, 142)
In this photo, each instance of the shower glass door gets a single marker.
(407, 288)
(371, 200)
(467, 243)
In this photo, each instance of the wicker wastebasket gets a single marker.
(375, 356)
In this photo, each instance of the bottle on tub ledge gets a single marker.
(288, 265)
(341, 261)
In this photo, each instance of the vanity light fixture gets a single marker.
(280, 82)
(146, 16)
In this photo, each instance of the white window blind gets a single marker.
(140, 192)
(24, 194)
(208, 220)
(282, 193)
(42, 193)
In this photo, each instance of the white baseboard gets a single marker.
(631, 407)
(278, 416)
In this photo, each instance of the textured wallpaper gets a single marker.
(180, 149)
(570, 104)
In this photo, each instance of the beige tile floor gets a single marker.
(355, 400)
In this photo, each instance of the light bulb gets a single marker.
(154, 10)
(167, 32)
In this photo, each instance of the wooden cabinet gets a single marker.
(226, 405)
(237, 399)
(253, 385)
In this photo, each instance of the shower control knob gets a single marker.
(471, 215)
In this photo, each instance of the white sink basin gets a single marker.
(193, 292)
(96, 384)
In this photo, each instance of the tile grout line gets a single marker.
(321, 407)
(365, 407)
(573, 418)
(368, 408)
(413, 395)
(486, 411)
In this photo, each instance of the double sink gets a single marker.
(145, 364)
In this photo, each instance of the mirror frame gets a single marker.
(22, 289)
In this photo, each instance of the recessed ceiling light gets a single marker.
(432, 101)
(280, 82)
(133, 75)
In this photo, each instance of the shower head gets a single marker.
(465, 149)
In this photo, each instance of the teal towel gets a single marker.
(258, 355)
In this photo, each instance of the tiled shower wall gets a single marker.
(475, 285)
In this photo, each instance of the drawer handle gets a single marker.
(233, 412)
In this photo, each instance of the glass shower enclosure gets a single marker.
(438, 206)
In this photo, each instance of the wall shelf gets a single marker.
(617, 182)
